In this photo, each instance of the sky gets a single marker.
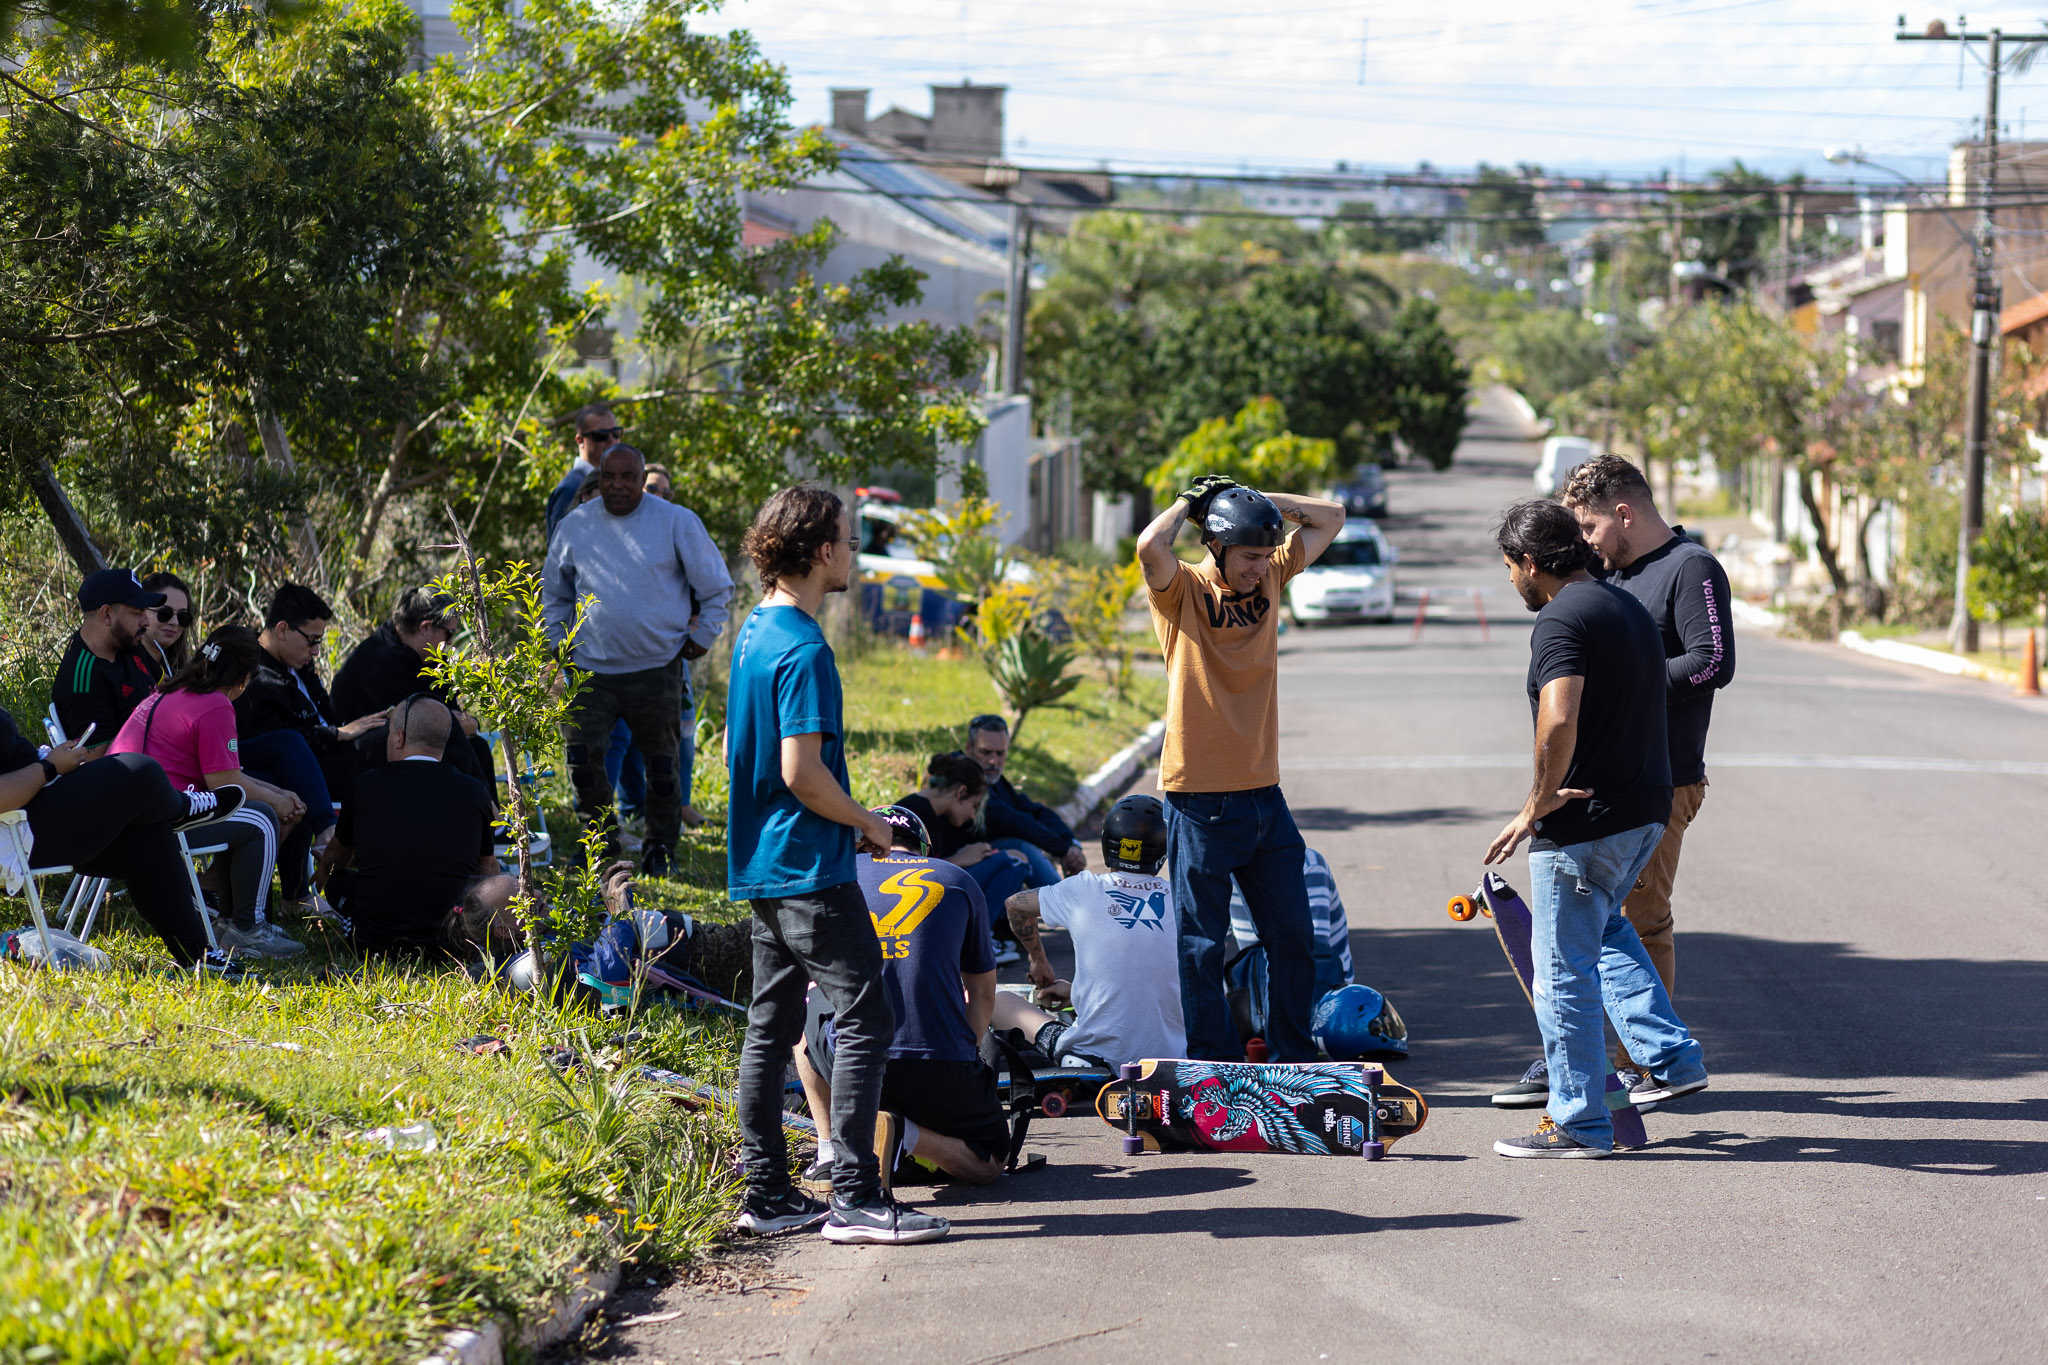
(1629, 87)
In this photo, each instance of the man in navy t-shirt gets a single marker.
(938, 1097)
(792, 823)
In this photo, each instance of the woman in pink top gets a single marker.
(188, 727)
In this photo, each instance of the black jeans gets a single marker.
(112, 818)
(827, 937)
(651, 704)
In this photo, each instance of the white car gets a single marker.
(1353, 581)
(1561, 455)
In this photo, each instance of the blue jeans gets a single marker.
(1584, 952)
(1040, 869)
(1212, 837)
(283, 759)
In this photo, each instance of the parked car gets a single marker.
(1353, 581)
(1561, 455)
(1364, 494)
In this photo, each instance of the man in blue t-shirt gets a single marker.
(791, 826)
(938, 1097)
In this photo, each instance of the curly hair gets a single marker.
(1605, 480)
(956, 769)
(790, 530)
(1546, 532)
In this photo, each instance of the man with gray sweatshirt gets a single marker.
(640, 561)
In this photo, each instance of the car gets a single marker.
(1353, 581)
(1561, 455)
(1364, 494)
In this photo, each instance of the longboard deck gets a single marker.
(1314, 1109)
(1512, 926)
(702, 1095)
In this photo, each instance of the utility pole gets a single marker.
(1962, 629)
(1018, 297)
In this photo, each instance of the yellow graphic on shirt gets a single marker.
(917, 894)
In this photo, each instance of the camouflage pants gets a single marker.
(650, 702)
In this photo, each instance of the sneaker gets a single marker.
(1006, 953)
(790, 1209)
(656, 862)
(218, 966)
(882, 1219)
(1547, 1140)
(313, 905)
(888, 1146)
(1531, 1092)
(265, 940)
(817, 1177)
(1653, 1091)
(204, 807)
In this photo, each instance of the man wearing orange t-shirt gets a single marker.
(1218, 624)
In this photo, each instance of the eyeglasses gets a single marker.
(317, 641)
(438, 623)
(166, 615)
(606, 434)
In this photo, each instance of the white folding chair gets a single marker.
(14, 829)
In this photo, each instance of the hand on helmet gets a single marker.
(1202, 491)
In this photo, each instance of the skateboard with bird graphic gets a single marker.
(1311, 1109)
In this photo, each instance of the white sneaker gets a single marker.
(313, 905)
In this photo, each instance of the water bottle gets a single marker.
(413, 1137)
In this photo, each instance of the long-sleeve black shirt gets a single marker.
(1686, 591)
(1010, 814)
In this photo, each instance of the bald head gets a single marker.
(418, 727)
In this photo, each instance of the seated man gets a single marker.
(419, 833)
(1013, 820)
(1326, 912)
(938, 1097)
(104, 676)
(1126, 988)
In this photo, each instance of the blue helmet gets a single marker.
(1357, 1021)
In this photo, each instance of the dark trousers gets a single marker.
(650, 702)
(1212, 837)
(828, 937)
(112, 818)
(283, 759)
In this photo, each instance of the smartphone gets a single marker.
(86, 738)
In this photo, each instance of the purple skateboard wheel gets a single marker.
(1129, 1071)
(1375, 1150)
(1133, 1146)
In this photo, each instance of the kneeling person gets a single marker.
(938, 1097)
(1126, 956)
(419, 833)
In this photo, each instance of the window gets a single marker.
(1884, 339)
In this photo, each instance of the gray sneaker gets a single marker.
(883, 1220)
(1531, 1092)
(265, 940)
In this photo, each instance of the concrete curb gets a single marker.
(1750, 614)
(486, 1345)
(1898, 651)
(1121, 768)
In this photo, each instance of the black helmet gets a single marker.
(1134, 832)
(1243, 516)
(904, 818)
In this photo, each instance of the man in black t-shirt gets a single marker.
(103, 676)
(419, 834)
(1594, 814)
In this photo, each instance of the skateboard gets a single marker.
(1058, 1089)
(696, 1094)
(1498, 901)
(1313, 1109)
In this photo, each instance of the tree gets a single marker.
(2009, 570)
(1504, 203)
(1359, 227)
(1546, 353)
(1255, 448)
(1430, 383)
(1733, 221)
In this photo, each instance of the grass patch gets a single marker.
(185, 1176)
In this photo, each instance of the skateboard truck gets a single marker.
(1133, 1144)
(1373, 1149)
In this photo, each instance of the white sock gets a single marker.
(909, 1139)
(828, 1151)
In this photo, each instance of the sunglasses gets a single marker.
(166, 615)
(607, 434)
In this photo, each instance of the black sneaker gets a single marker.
(218, 966)
(817, 1177)
(656, 861)
(790, 1209)
(1650, 1090)
(1531, 1092)
(882, 1219)
(205, 807)
(1547, 1140)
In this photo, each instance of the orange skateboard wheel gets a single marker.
(1462, 908)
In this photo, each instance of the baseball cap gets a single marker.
(115, 588)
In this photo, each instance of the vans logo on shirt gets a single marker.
(1236, 611)
(1133, 909)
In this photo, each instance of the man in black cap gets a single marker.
(103, 676)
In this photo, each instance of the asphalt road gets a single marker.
(1863, 952)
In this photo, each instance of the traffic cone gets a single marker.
(2030, 670)
(917, 632)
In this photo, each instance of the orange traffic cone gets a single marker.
(917, 632)
(2030, 670)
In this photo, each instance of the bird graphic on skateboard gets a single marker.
(1310, 1109)
(1498, 902)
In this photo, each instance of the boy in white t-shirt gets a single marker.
(1126, 987)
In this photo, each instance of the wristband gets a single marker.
(50, 773)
